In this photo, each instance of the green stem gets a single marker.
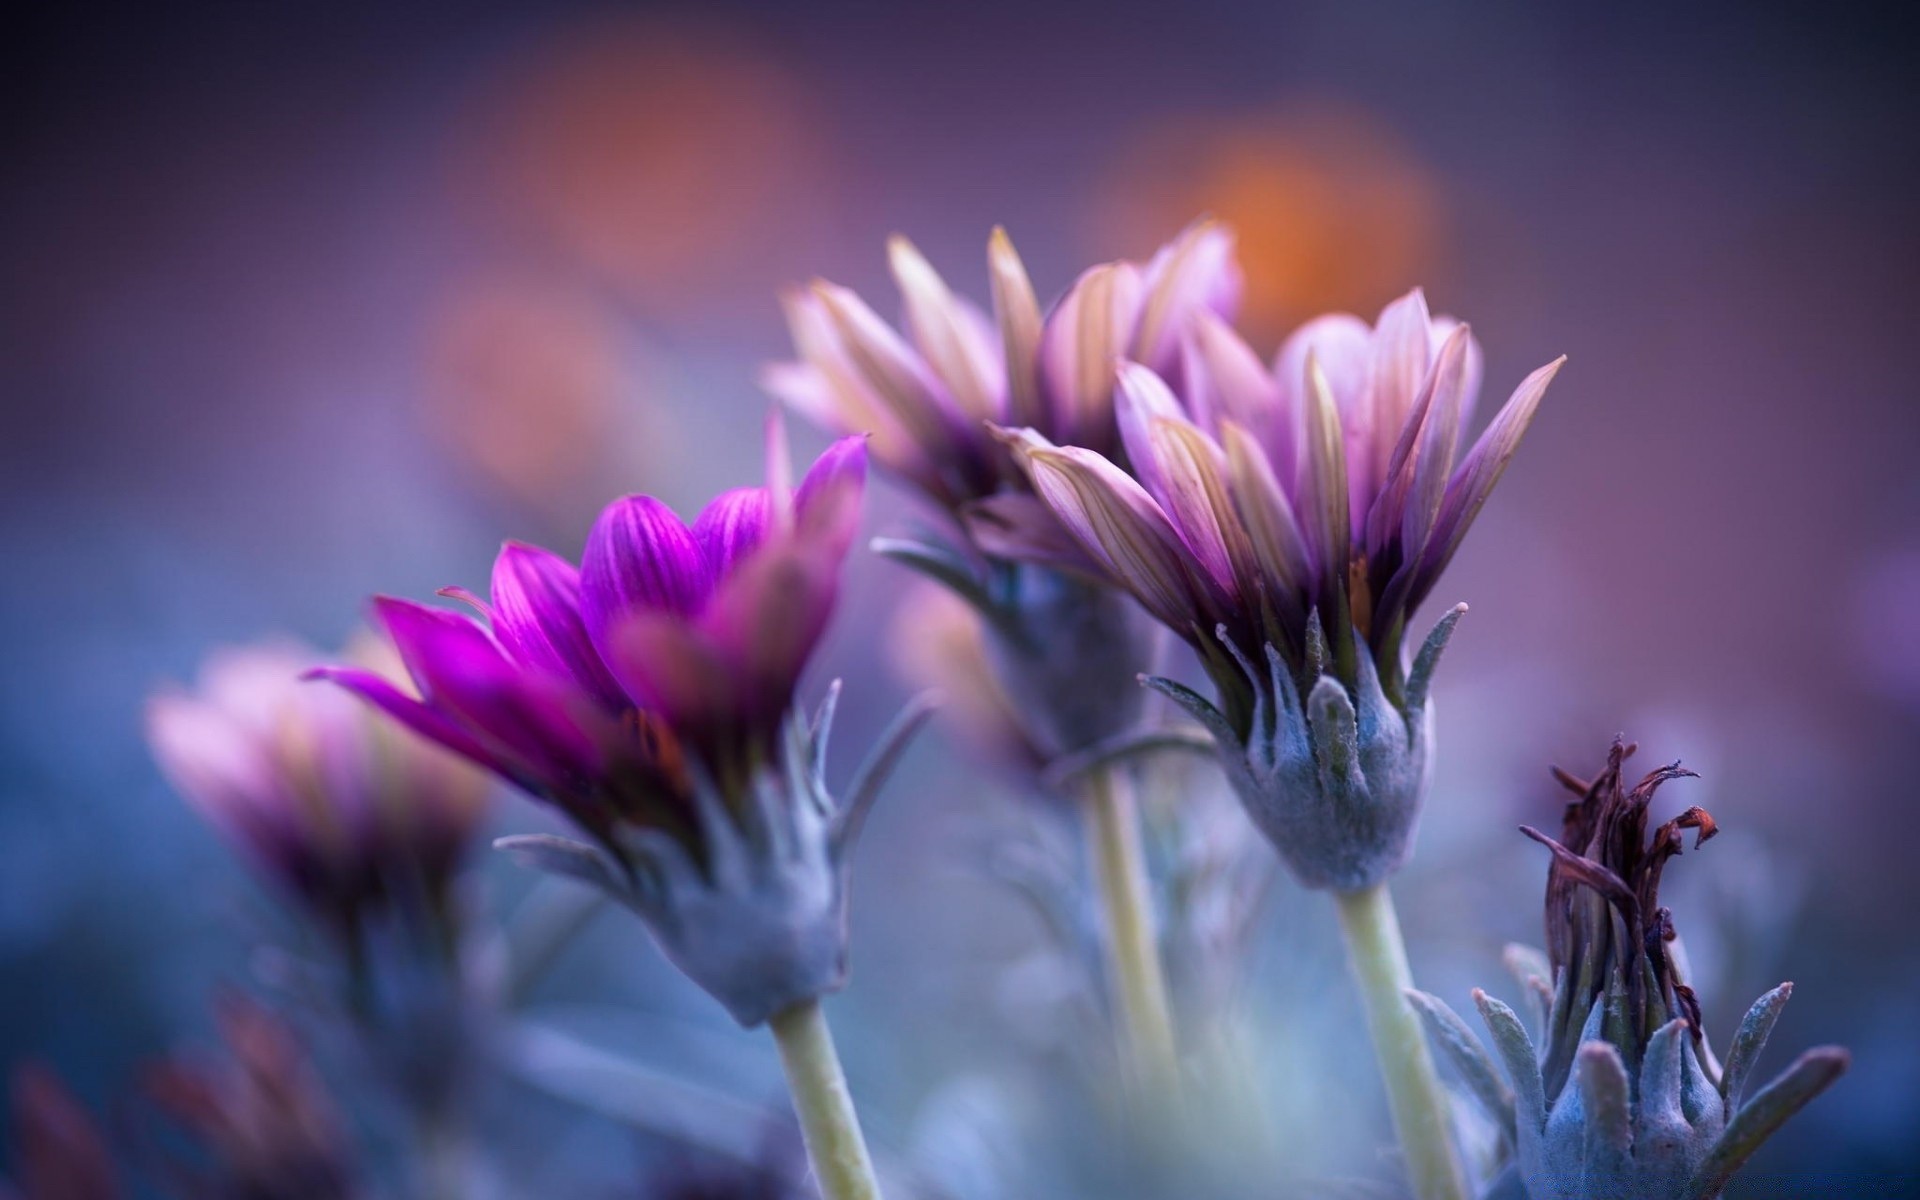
(1126, 900)
(820, 1097)
(1420, 1111)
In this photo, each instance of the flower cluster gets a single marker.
(354, 819)
(1624, 1099)
(1065, 647)
(649, 695)
(1287, 524)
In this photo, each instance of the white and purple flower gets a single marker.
(1287, 523)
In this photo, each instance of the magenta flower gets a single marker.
(650, 696)
(1299, 516)
(351, 818)
(1064, 646)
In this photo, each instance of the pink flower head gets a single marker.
(673, 648)
(344, 812)
(927, 397)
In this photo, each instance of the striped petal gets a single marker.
(640, 556)
(536, 617)
(951, 336)
(1084, 336)
(732, 526)
(1181, 469)
(1193, 273)
(1474, 481)
(1120, 525)
(1017, 313)
(1278, 544)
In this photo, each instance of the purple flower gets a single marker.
(1065, 647)
(346, 814)
(1299, 516)
(650, 695)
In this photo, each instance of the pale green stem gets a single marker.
(1133, 948)
(820, 1097)
(1420, 1109)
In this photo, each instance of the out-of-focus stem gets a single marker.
(1133, 949)
(828, 1122)
(1420, 1110)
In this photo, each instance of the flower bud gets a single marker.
(1623, 1099)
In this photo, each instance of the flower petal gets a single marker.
(1478, 473)
(1084, 336)
(668, 666)
(1225, 381)
(1115, 519)
(827, 502)
(544, 722)
(422, 719)
(1020, 528)
(640, 556)
(1340, 345)
(1181, 469)
(1018, 314)
(951, 336)
(732, 526)
(536, 617)
(1192, 273)
(764, 623)
(1278, 545)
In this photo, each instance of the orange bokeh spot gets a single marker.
(1331, 210)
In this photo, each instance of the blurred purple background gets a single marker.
(306, 302)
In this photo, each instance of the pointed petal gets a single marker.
(1192, 273)
(1185, 472)
(732, 526)
(1323, 496)
(949, 336)
(536, 617)
(897, 376)
(1478, 473)
(1118, 523)
(1341, 344)
(541, 720)
(1225, 381)
(640, 557)
(1278, 545)
(428, 722)
(1402, 352)
(827, 503)
(1082, 339)
(1018, 315)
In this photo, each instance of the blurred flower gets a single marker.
(649, 695)
(1331, 209)
(58, 1152)
(350, 817)
(927, 399)
(1624, 1097)
(254, 1123)
(1065, 650)
(1299, 517)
